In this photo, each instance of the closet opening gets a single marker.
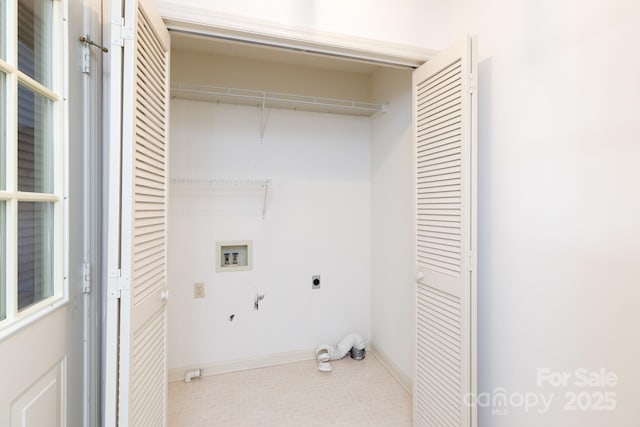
(308, 157)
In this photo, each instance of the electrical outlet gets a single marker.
(198, 290)
(315, 282)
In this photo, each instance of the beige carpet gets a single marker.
(356, 393)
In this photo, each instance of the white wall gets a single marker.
(421, 23)
(318, 221)
(559, 225)
(219, 70)
(392, 201)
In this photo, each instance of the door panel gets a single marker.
(33, 374)
(143, 401)
(42, 404)
(444, 130)
(138, 251)
(34, 380)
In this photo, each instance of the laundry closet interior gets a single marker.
(284, 166)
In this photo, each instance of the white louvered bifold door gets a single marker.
(444, 126)
(142, 387)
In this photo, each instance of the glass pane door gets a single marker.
(35, 250)
(35, 157)
(35, 39)
(3, 131)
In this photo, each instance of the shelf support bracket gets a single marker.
(263, 119)
(264, 204)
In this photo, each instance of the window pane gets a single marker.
(3, 132)
(3, 262)
(35, 252)
(35, 155)
(35, 39)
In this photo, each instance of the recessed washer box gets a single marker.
(234, 255)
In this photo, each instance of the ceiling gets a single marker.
(217, 46)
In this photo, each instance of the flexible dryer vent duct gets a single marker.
(326, 352)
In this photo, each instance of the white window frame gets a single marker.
(58, 94)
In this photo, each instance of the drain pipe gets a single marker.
(196, 373)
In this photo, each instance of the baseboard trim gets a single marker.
(405, 381)
(216, 368)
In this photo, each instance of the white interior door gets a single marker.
(445, 135)
(138, 217)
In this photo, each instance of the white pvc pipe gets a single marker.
(196, 373)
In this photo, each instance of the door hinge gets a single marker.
(86, 278)
(113, 284)
(470, 262)
(120, 32)
(472, 84)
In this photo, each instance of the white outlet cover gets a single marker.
(198, 290)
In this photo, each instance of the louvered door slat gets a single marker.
(439, 155)
(143, 250)
(430, 249)
(439, 112)
(150, 151)
(444, 185)
(450, 99)
(434, 124)
(431, 101)
(447, 141)
(440, 355)
(432, 139)
(445, 238)
(150, 134)
(147, 253)
(149, 160)
(442, 77)
(148, 92)
(438, 246)
(149, 68)
(443, 168)
(438, 87)
(434, 152)
(443, 241)
(450, 221)
(152, 160)
(148, 342)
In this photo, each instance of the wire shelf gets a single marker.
(220, 181)
(228, 183)
(275, 99)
